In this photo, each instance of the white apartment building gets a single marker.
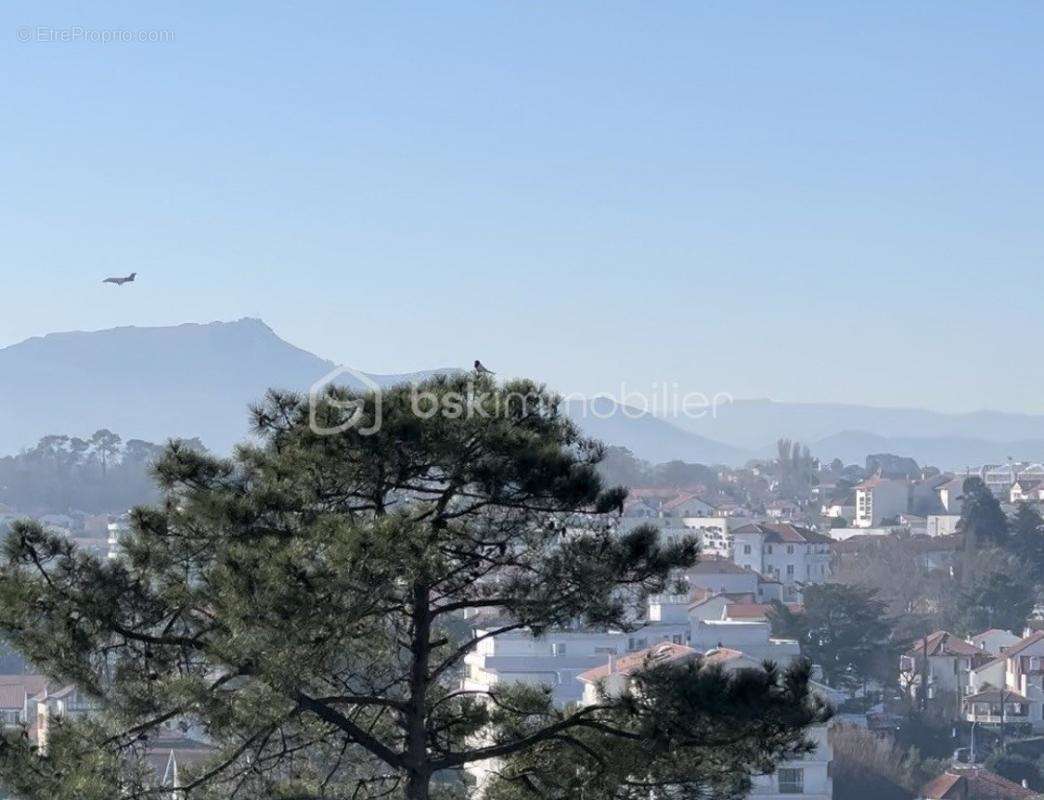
(806, 778)
(117, 530)
(557, 657)
(792, 555)
(879, 499)
(715, 533)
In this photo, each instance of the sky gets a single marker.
(807, 201)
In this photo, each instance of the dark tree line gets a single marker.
(97, 474)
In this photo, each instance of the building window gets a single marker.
(791, 780)
(768, 549)
(746, 549)
(790, 570)
(790, 549)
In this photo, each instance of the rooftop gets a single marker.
(664, 653)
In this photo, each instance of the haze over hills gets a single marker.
(198, 379)
(151, 383)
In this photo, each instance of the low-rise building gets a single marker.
(793, 555)
(973, 783)
(946, 659)
(1026, 490)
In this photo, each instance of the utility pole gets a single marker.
(924, 673)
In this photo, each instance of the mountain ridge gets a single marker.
(198, 379)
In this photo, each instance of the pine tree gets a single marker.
(299, 605)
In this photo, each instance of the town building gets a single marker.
(793, 555)
(879, 500)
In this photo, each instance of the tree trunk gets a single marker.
(418, 786)
(418, 782)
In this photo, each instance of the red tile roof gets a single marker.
(974, 784)
(14, 688)
(1018, 647)
(943, 643)
(663, 653)
(756, 610)
(783, 532)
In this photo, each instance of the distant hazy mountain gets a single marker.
(152, 383)
(946, 452)
(649, 437)
(754, 424)
(197, 380)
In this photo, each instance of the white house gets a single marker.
(688, 505)
(994, 641)
(722, 575)
(752, 637)
(557, 657)
(941, 524)
(795, 556)
(879, 499)
(1025, 490)
(949, 661)
(1011, 687)
(951, 495)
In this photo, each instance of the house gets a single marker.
(973, 783)
(804, 778)
(16, 693)
(1011, 685)
(66, 703)
(840, 509)
(879, 499)
(781, 509)
(614, 675)
(949, 659)
(941, 524)
(951, 495)
(722, 576)
(994, 640)
(169, 756)
(755, 612)
(791, 554)
(688, 505)
(1025, 490)
(558, 656)
(751, 637)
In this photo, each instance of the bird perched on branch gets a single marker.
(481, 370)
(120, 281)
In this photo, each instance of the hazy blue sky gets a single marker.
(807, 201)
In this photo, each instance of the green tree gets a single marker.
(301, 602)
(996, 601)
(843, 629)
(982, 520)
(1027, 540)
(106, 445)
